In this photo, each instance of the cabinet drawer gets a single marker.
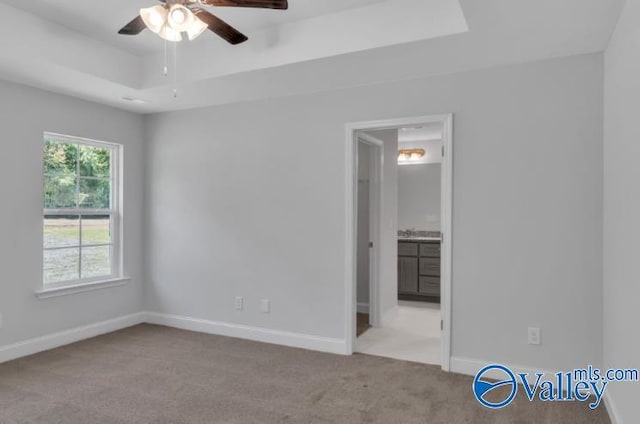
(430, 266)
(430, 249)
(407, 249)
(430, 286)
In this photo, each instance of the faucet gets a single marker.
(408, 232)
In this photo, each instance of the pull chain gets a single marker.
(166, 58)
(165, 69)
(175, 70)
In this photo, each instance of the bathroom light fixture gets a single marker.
(410, 154)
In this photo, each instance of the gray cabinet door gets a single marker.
(408, 275)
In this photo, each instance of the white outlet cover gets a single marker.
(534, 336)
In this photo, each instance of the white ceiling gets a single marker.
(314, 46)
(424, 133)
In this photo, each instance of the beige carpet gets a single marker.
(151, 374)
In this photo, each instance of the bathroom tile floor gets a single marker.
(412, 335)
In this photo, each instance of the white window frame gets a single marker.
(114, 212)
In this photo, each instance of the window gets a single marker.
(81, 211)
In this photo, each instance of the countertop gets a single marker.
(418, 239)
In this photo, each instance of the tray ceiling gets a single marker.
(71, 46)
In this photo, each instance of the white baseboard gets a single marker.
(51, 341)
(614, 416)
(471, 367)
(363, 308)
(304, 341)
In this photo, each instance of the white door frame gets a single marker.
(352, 130)
(375, 207)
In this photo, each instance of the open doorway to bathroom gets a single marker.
(401, 220)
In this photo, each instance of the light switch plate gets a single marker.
(265, 306)
(239, 303)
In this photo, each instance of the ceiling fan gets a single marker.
(172, 18)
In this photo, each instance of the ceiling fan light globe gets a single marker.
(154, 18)
(196, 29)
(180, 18)
(169, 34)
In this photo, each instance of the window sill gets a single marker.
(81, 288)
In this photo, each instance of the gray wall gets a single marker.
(419, 199)
(249, 199)
(622, 209)
(25, 114)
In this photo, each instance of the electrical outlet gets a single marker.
(265, 306)
(534, 336)
(239, 303)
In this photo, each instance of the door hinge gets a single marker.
(442, 151)
(441, 325)
(371, 244)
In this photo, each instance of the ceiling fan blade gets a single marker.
(264, 4)
(134, 27)
(220, 27)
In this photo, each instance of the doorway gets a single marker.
(376, 271)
